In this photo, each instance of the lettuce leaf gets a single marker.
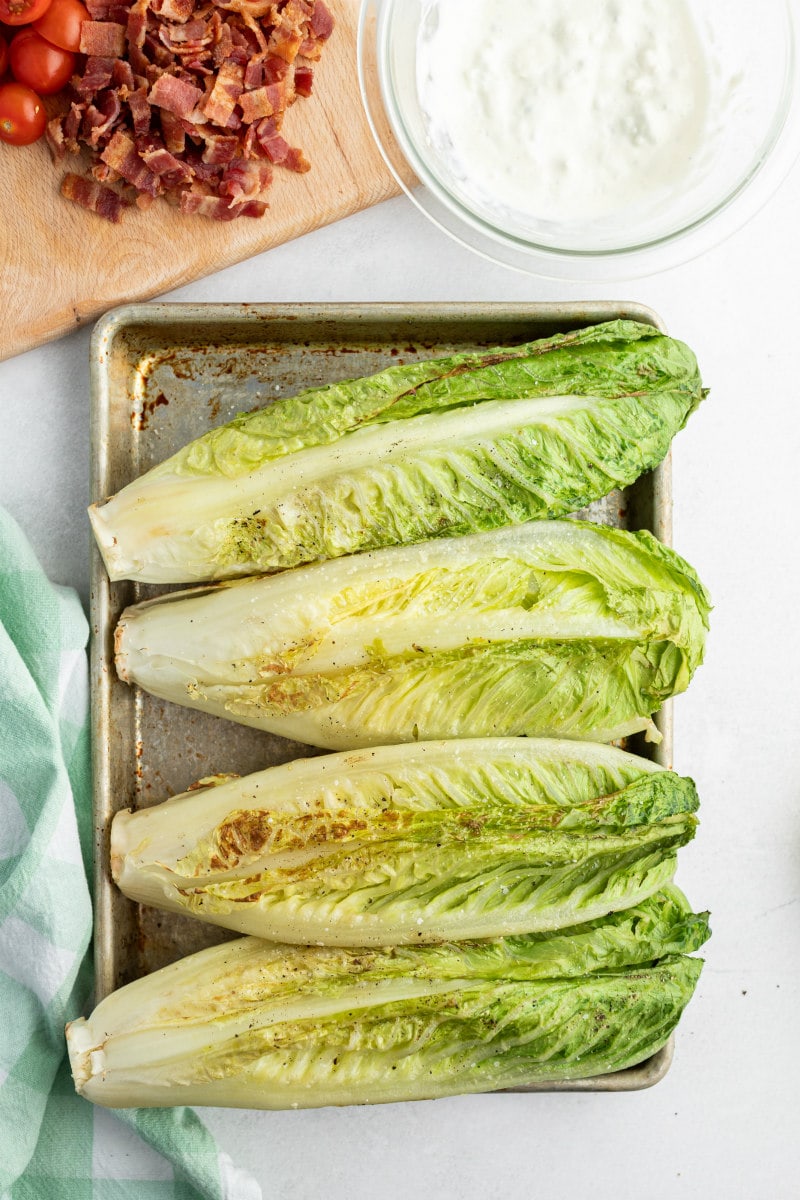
(559, 628)
(257, 1025)
(445, 447)
(413, 844)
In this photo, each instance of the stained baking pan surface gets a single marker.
(163, 374)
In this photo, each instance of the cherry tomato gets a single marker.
(3, 57)
(22, 115)
(22, 12)
(40, 65)
(61, 24)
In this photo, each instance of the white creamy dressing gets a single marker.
(564, 110)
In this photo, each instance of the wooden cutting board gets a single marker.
(61, 266)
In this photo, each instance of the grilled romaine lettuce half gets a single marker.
(413, 844)
(551, 629)
(256, 1025)
(438, 448)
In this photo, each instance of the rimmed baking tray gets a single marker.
(163, 374)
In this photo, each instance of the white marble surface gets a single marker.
(725, 1121)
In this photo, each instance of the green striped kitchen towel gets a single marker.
(55, 1145)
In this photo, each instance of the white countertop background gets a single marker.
(725, 1123)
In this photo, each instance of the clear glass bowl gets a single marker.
(753, 141)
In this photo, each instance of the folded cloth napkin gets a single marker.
(55, 1145)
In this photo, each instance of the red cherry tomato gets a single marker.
(61, 24)
(22, 12)
(22, 115)
(40, 65)
(3, 57)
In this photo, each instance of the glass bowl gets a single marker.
(752, 137)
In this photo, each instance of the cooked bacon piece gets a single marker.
(99, 10)
(98, 75)
(103, 38)
(218, 208)
(195, 200)
(287, 43)
(175, 95)
(140, 110)
(256, 104)
(105, 174)
(173, 132)
(219, 106)
(120, 153)
(54, 133)
(321, 21)
(93, 196)
(281, 95)
(278, 150)
(72, 123)
(245, 179)
(159, 57)
(159, 160)
(100, 118)
(122, 75)
(224, 46)
(254, 208)
(189, 39)
(174, 10)
(296, 161)
(275, 69)
(253, 74)
(219, 149)
(303, 80)
(137, 24)
(266, 129)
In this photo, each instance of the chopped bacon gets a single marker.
(207, 205)
(103, 38)
(175, 95)
(94, 196)
(321, 21)
(72, 123)
(219, 148)
(224, 45)
(245, 179)
(287, 43)
(54, 133)
(186, 99)
(275, 69)
(278, 150)
(174, 10)
(98, 74)
(159, 160)
(137, 24)
(120, 153)
(256, 104)
(219, 106)
(173, 132)
(140, 110)
(105, 174)
(303, 80)
(100, 118)
(253, 75)
(122, 75)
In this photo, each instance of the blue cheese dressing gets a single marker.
(563, 110)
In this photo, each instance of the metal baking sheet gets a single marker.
(163, 374)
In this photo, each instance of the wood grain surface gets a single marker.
(61, 266)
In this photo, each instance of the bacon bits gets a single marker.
(186, 100)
